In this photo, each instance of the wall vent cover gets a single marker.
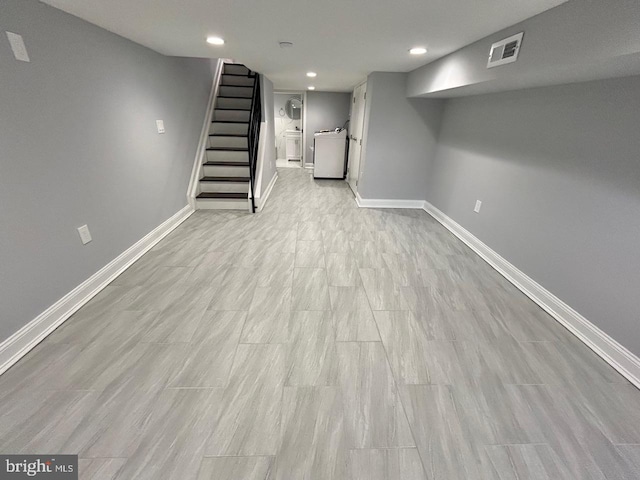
(505, 51)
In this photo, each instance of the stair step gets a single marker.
(225, 179)
(236, 68)
(228, 134)
(239, 195)
(229, 121)
(237, 80)
(233, 102)
(225, 164)
(236, 92)
(229, 149)
(231, 115)
(224, 128)
(234, 109)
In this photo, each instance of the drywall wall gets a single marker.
(79, 146)
(400, 136)
(558, 172)
(579, 40)
(267, 135)
(325, 111)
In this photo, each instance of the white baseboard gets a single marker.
(308, 165)
(387, 203)
(616, 355)
(263, 200)
(21, 342)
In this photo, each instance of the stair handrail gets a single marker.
(253, 134)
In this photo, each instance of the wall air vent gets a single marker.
(505, 51)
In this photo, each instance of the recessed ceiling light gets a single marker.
(215, 41)
(311, 87)
(418, 51)
(311, 74)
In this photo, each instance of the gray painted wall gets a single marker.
(399, 140)
(325, 111)
(79, 145)
(579, 40)
(268, 136)
(558, 172)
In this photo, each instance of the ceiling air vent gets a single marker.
(505, 51)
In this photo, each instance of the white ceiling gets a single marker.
(341, 40)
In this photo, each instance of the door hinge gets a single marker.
(360, 142)
(365, 95)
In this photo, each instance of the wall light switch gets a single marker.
(160, 125)
(18, 47)
(85, 236)
(477, 207)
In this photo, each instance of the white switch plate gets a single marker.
(477, 207)
(18, 47)
(160, 125)
(85, 236)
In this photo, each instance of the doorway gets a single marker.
(355, 136)
(289, 127)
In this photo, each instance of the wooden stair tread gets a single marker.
(226, 164)
(225, 179)
(239, 195)
(228, 149)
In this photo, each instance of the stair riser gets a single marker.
(237, 92)
(224, 171)
(224, 187)
(222, 204)
(232, 128)
(228, 142)
(227, 156)
(231, 115)
(236, 69)
(234, 103)
(239, 81)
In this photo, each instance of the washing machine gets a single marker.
(330, 154)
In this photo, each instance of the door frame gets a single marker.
(303, 94)
(361, 134)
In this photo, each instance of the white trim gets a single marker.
(387, 203)
(263, 200)
(616, 355)
(21, 342)
(308, 165)
(192, 191)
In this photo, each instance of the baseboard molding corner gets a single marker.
(387, 203)
(262, 201)
(21, 342)
(616, 355)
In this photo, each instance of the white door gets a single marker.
(355, 136)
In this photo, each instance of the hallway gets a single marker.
(319, 340)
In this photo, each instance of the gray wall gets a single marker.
(79, 145)
(579, 40)
(325, 111)
(558, 172)
(268, 135)
(399, 140)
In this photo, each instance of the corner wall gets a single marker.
(558, 172)
(80, 146)
(325, 111)
(400, 136)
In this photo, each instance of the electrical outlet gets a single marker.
(477, 207)
(85, 235)
(160, 126)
